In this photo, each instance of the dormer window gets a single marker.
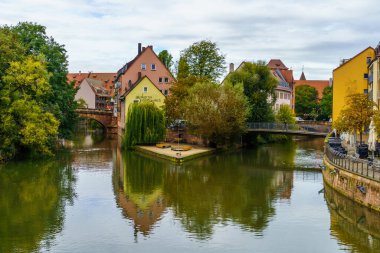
(143, 66)
(153, 66)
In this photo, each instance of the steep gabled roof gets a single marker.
(97, 87)
(276, 64)
(349, 60)
(129, 64)
(136, 84)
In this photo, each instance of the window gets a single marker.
(281, 95)
(166, 80)
(165, 92)
(160, 79)
(365, 75)
(153, 66)
(143, 66)
(145, 89)
(369, 59)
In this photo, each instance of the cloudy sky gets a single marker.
(100, 35)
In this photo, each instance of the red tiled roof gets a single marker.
(106, 79)
(319, 85)
(276, 64)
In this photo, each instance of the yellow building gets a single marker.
(351, 77)
(143, 90)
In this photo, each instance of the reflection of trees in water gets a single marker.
(355, 226)
(240, 187)
(32, 201)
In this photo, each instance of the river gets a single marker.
(97, 198)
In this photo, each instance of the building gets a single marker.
(374, 78)
(146, 63)
(351, 77)
(284, 90)
(142, 90)
(319, 85)
(94, 94)
(106, 79)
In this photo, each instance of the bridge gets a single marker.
(104, 117)
(289, 129)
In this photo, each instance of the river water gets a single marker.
(97, 198)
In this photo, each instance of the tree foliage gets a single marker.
(326, 104)
(306, 100)
(285, 115)
(202, 59)
(259, 87)
(356, 115)
(60, 101)
(36, 103)
(145, 124)
(166, 58)
(216, 112)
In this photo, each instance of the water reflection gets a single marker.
(240, 188)
(354, 226)
(32, 200)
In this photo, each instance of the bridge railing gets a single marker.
(289, 127)
(362, 167)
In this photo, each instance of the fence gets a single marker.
(290, 127)
(365, 168)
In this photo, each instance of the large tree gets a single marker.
(60, 101)
(216, 112)
(326, 104)
(356, 115)
(25, 122)
(306, 100)
(259, 87)
(145, 124)
(202, 59)
(166, 58)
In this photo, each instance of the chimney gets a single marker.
(232, 67)
(138, 75)
(139, 48)
(143, 48)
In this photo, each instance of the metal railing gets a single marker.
(325, 129)
(366, 168)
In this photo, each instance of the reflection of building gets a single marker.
(283, 183)
(352, 224)
(143, 205)
(351, 77)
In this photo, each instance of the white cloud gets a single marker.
(101, 35)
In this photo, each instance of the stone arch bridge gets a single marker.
(105, 118)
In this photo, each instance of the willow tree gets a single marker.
(356, 115)
(145, 124)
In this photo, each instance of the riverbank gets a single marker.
(176, 156)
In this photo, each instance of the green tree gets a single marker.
(145, 124)
(326, 104)
(216, 112)
(259, 87)
(60, 101)
(356, 115)
(306, 100)
(285, 115)
(166, 58)
(202, 59)
(25, 122)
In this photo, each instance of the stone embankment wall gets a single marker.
(358, 188)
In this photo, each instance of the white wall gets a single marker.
(87, 94)
(283, 98)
